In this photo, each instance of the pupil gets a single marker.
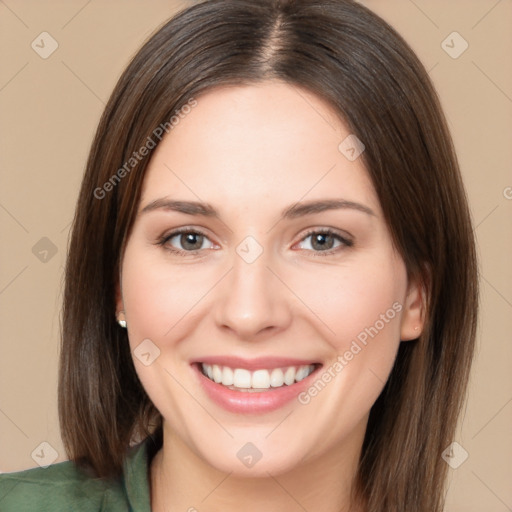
(190, 240)
(324, 241)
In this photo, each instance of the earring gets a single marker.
(121, 321)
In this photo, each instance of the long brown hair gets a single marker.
(351, 58)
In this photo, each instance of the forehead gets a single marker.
(252, 143)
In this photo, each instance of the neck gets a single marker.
(181, 481)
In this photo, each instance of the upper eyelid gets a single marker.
(330, 231)
(345, 240)
(180, 231)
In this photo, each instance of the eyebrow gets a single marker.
(310, 207)
(294, 211)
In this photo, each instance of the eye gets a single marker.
(324, 241)
(188, 241)
(185, 241)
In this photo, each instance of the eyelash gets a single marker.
(345, 242)
(329, 232)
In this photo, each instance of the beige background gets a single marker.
(49, 111)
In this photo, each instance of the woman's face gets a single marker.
(284, 261)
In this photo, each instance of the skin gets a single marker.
(250, 152)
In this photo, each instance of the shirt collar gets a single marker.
(136, 474)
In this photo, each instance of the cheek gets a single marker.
(359, 311)
(159, 305)
(157, 297)
(351, 300)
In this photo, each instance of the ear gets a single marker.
(414, 309)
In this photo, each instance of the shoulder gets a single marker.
(65, 486)
(58, 487)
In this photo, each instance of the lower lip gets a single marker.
(245, 402)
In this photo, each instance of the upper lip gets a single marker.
(257, 363)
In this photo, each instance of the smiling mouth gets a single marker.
(261, 380)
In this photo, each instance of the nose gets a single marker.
(252, 301)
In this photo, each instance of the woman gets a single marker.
(271, 288)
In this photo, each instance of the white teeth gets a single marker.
(217, 374)
(301, 373)
(289, 376)
(260, 379)
(241, 378)
(277, 378)
(245, 380)
(227, 376)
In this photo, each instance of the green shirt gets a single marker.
(65, 487)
